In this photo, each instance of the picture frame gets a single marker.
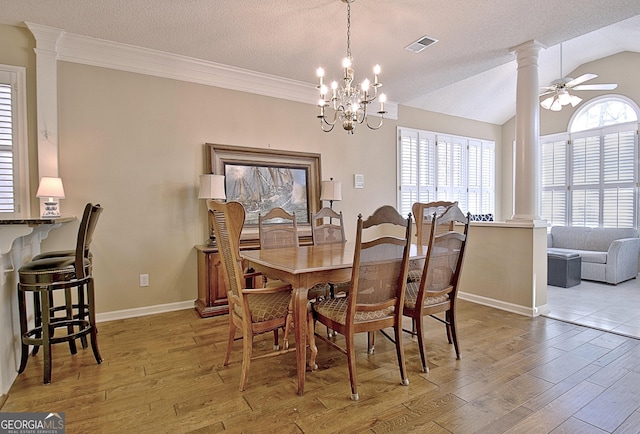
(261, 179)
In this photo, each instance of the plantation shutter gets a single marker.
(7, 196)
(618, 196)
(554, 180)
(417, 168)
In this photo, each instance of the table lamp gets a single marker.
(211, 187)
(51, 188)
(331, 190)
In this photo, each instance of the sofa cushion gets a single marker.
(586, 255)
(592, 256)
(569, 237)
(601, 238)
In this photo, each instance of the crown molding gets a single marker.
(108, 54)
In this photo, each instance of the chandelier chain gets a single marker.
(349, 30)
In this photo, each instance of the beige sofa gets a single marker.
(608, 254)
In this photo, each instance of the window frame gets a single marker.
(446, 159)
(594, 188)
(15, 76)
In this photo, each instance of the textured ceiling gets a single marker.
(470, 65)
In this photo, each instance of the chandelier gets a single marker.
(349, 102)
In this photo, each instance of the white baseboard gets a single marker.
(142, 311)
(509, 307)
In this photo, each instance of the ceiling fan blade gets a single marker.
(547, 91)
(604, 86)
(581, 79)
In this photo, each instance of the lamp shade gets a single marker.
(331, 190)
(50, 187)
(212, 187)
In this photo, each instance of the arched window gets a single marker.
(602, 112)
(590, 173)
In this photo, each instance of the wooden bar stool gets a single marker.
(67, 308)
(43, 277)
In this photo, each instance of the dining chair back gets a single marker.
(437, 289)
(376, 292)
(423, 214)
(277, 229)
(324, 230)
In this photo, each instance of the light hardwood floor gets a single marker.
(164, 374)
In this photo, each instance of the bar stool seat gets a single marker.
(43, 277)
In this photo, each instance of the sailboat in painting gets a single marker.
(261, 188)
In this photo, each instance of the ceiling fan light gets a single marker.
(556, 106)
(564, 98)
(575, 100)
(546, 103)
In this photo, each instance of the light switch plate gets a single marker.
(358, 180)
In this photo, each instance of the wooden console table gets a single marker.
(212, 290)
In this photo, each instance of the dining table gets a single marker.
(303, 267)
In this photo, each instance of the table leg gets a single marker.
(300, 320)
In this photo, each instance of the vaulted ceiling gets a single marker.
(470, 72)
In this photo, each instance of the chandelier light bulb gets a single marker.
(376, 69)
(346, 62)
(365, 85)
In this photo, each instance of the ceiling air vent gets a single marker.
(420, 44)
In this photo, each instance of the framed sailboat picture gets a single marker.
(262, 179)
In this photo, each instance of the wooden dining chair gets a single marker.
(325, 230)
(376, 291)
(252, 310)
(423, 214)
(437, 289)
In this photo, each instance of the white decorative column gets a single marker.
(527, 153)
(46, 50)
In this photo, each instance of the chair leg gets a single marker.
(68, 315)
(422, 345)
(454, 332)
(92, 320)
(400, 352)
(371, 341)
(232, 335)
(447, 319)
(276, 344)
(247, 342)
(37, 319)
(311, 325)
(22, 309)
(46, 338)
(287, 326)
(351, 361)
(82, 313)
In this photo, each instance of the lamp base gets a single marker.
(211, 242)
(51, 209)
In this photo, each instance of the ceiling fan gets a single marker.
(559, 89)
